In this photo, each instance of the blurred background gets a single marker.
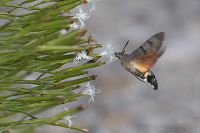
(126, 105)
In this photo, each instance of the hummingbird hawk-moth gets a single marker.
(143, 58)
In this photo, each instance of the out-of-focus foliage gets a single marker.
(32, 43)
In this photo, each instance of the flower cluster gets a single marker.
(91, 91)
(81, 16)
(109, 53)
(68, 117)
(82, 56)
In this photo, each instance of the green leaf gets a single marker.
(37, 69)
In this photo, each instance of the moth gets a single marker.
(140, 61)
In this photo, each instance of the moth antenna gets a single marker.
(125, 46)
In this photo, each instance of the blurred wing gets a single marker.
(147, 54)
(153, 44)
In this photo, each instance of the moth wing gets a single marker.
(153, 44)
(147, 54)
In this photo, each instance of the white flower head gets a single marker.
(74, 26)
(63, 32)
(91, 91)
(68, 119)
(82, 56)
(81, 16)
(109, 52)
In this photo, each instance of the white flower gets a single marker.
(91, 90)
(68, 119)
(109, 52)
(82, 56)
(81, 16)
(74, 26)
(63, 32)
